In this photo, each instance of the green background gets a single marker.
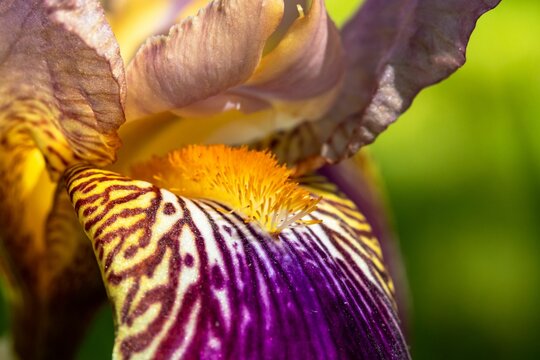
(462, 173)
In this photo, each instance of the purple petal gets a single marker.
(357, 179)
(394, 49)
(190, 279)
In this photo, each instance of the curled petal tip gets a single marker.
(394, 49)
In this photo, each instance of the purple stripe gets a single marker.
(307, 294)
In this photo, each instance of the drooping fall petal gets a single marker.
(190, 279)
(202, 56)
(394, 49)
(47, 265)
(358, 178)
(59, 288)
(61, 98)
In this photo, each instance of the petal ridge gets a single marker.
(203, 55)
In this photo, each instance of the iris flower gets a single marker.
(236, 250)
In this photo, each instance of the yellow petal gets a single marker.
(62, 83)
(61, 101)
(48, 269)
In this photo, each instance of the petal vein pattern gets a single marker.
(190, 279)
(61, 101)
(205, 54)
(63, 83)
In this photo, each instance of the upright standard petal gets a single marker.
(297, 79)
(202, 56)
(133, 21)
(306, 62)
(394, 48)
(299, 76)
(191, 279)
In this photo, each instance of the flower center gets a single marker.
(251, 182)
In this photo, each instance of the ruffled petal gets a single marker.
(190, 279)
(300, 77)
(62, 82)
(202, 56)
(393, 49)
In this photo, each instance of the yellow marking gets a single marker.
(301, 13)
(373, 244)
(353, 221)
(252, 183)
(387, 287)
(377, 263)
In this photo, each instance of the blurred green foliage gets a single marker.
(462, 170)
(341, 10)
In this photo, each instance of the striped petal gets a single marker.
(394, 49)
(358, 179)
(62, 82)
(61, 95)
(190, 279)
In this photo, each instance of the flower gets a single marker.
(219, 253)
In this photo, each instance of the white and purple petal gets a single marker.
(190, 279)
